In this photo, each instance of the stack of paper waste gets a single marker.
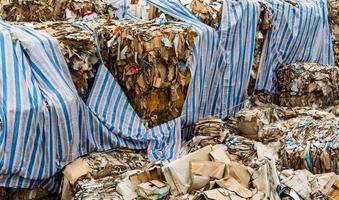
(95, 176)
(209, 131)
(228, 167)
(309, 137)
(333, 6)
(51, 10)
(79, 49)
(311, 144)
(151, 62)
(209, 12)
(307, 84)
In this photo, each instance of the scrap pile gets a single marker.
(233, 168)
(209, 131)
(79, 50)
(309, 137)
(95, 176)
(151, 62)
(305, 84)
(209, 12)
(333, 6)
(51, 10)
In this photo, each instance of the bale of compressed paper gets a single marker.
(311, 144)
(307, 84)
(79, 50)
(333, 16)
(52, 10)
(251, 121)
(151, 63)
(209, 12)
(96, 176)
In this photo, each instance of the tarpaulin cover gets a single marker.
(45, 125)
(300, 33)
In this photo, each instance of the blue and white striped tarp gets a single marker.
(300, 33)
(45, 125)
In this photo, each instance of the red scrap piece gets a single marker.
(116, 30)
(134, 69)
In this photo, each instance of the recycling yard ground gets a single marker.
(158, 99)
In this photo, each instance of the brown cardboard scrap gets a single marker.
(234, 186)
(151, 63)
(76, 169)
(216, 194)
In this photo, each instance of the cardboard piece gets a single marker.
(76, 169)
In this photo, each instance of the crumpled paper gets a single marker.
(210, 131)
(208, 11)
(308, 84)
(103, 172)
(52, 10)
(151, 62)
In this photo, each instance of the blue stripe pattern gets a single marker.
(299, 34)
(45, 124)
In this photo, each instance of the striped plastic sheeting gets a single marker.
(45, 124)
(222, 59)
(299, 33)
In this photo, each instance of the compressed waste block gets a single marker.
(333, 16)
(151, 62)
(311, 144)
(51, 10)
(251, 121)
(308, 137)
(209, 12)
(308, 84)
(79, 49)
(209, 131)
(95, 176)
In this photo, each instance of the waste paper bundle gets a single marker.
(209, 12)
(307, 84)
(151, 62)
(96, 175)
(51, 10)
(78, 48)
